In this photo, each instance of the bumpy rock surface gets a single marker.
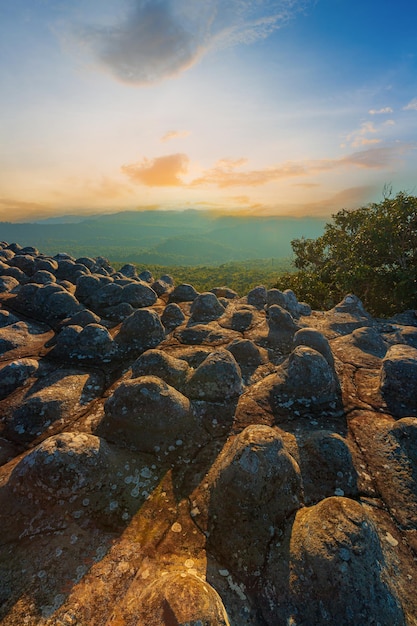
(169, 457)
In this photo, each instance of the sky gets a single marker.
(290, 107)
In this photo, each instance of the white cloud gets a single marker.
(383, 111)
(156, 39)
(411, 106)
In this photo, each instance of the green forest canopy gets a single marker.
(370, 251)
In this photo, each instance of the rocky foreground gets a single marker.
(175, 458)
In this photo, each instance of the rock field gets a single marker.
(171, 458)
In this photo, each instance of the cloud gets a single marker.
(159, 172)
(165, 171)
(224, 176)
(175, 134)
(411, 106)
(156, 39)
(383, 111)
(15, 210)
(359, 137)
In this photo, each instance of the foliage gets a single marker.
(370, 251)
(241, 276)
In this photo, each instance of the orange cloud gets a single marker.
(13, 210)
(159, 172)
(359, 137)
(224, 175)
(175, 134)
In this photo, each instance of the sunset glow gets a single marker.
(294, 107)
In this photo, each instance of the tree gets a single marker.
(370, 251)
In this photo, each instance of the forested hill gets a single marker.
(167, 237)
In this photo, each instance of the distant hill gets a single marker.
(187, 237)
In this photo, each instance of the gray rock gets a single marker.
(140, 331)
(139, 295)
(183, 293)
(14, 374)
(149, 415)
(398, 381)
(217, 379)
(314, 339)
(206, 308)
(8, 283)
(337, 568)
(253, 489)
(246, 352)
(43, 277)
(257, 297)
(275, 296)
(129, 270)
(224, 292)
(157, 363)
(24, 262)
(172, 317)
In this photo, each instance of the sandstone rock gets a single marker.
(8, 283)
(47, 264)
(147, 414)
(14, 374)
(139, 294)
(369, 340)
(63, 466)
(254, 488)
(157, 363)
(257, 297)
(129, 270)
(337, 567)
(247, 353)
(146, 276)
(206, 308)
(131, 474)
(182, 599)
(275, 296)
(183, 293)
(53, 399)
(209, 333)
(88, 262)
(43, 277)
(327, 466)
(314, 339)
(24, 262)
(118, 312)
(140, 331)
(82, 318)
(172, 317)
(399, 380)
(217, 378)
(224, 292)
(241, 319)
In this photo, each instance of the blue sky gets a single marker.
(295, 107)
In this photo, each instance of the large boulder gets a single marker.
(149, 415)
(140, 331)
(253, 488)
(14, 374)
(183, 293)
(180, 598)
(398, 382)
(206, 308)
(217, 379)
(157, 363)
(337, 568)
